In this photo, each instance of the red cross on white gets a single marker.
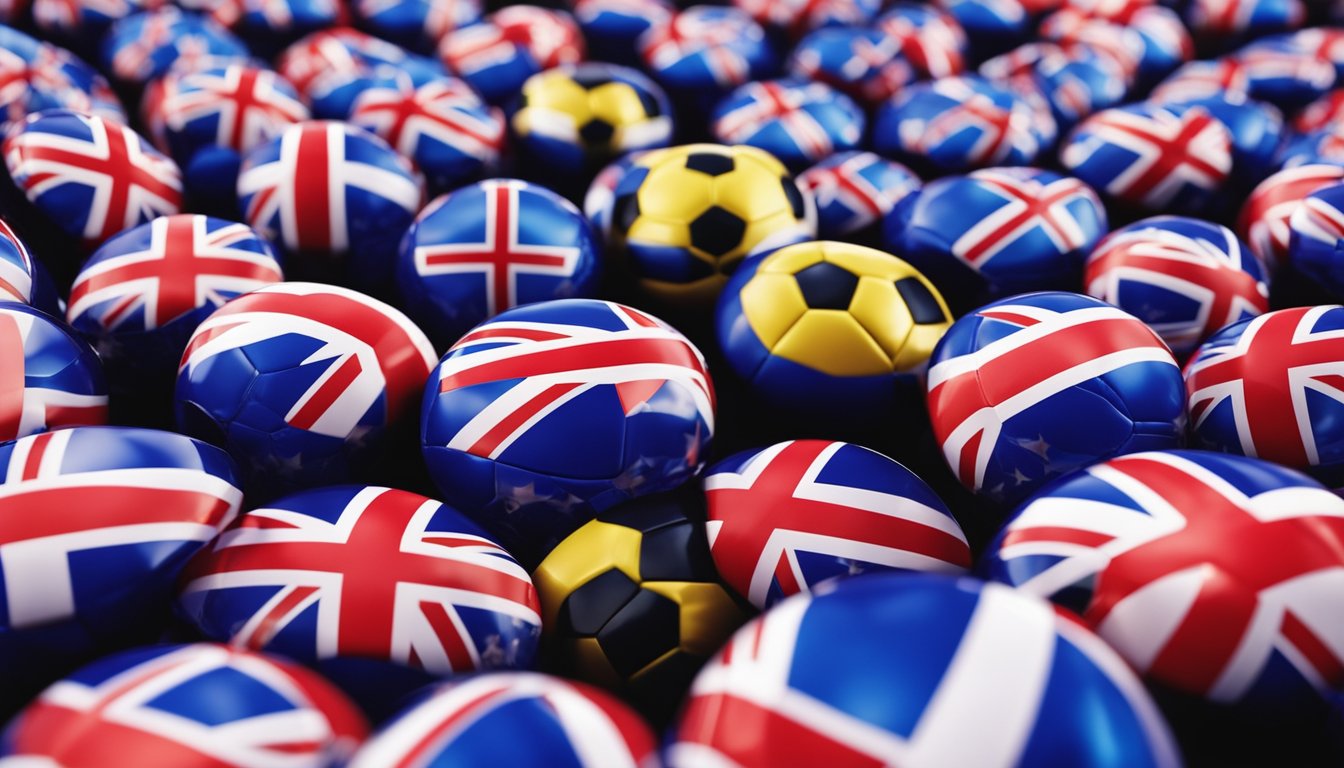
(250, 108)
(1028, 205)
(691, 32)
(446, 111)
(787, 104)
(1265, 218)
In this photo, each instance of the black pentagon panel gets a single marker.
(924, 308)
(590, 607)
(826, 285)
(710, 163)
(795, 197)
(659, 691)
(642, 630)
(676, 553)
(657, 510)
(590, 78)
(625, 210)
(597, 131)
(717, 231)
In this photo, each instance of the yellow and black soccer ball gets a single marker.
(631, 601)
(831, 327)
(573, 120)
(685, 217)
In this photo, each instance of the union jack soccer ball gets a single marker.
(50, 378)
(1034, 386)
(1184, 277)
(703, 52)
(853, 191)
(331, 67)
(148, 44)
(830, 330)
(612, 27)
(989, 677)
(37, 75)
(1197, 569)
(551, 412)
(335, 575)
(997, 232)
(928, 36)
(1074, 82)
(785, 519)
(140, 296)
(187, 706)
(417, 25)
(794, 18)
(798, 122)
(510, 45)
(336, 199)
(1145, 38)
(1266, 387)
(521, 719)
(1264, 218)
(1325, 146)
(960, 123)
(482, 249)
(864, 63)
(1317, 232)
(300, 382)
(100, 521)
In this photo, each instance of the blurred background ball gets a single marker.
(928, 36)
(499, 54)
(998, 232)
(301, 382)
(612, 27)
(830, 330)
(1192, 567)
(573, 120)
(442, 126)
(227, 707)
(802, 684)
(791, 19)
(1316, 234)
(864, 63)
(338, 576)
(331, 67)
(853, 191)
(797, 121)
(1074, 82)
(1265, 215)
(1266, 387)
(145, 45)
(549, 413)
(334, 198)
(630, 601)
(416, 25)
(498, 244)
(1184, 277)
(957, 124)
(703, 52)
(52, 378)
(521, 719)
(599, 202)
(786, 518)
(140, 296)
(1032, 387)
(684, 218)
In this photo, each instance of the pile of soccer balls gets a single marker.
(769, 383)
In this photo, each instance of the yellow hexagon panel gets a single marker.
(791, 259)
(758, 156)
(655, 230)
(751, 192)
(772, 303)
(867, 261)
(616, 103)
(880, 310)
(699, 293)
(833, 342)
(708, 614)
(672, 193)
(594, 548)
(919, 346)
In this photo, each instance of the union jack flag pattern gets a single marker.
(1225, 78)
(1216, 575)
(416, 24)
(147, 45)
(991, 25)
(1317, 231)
(1010, 385)
(236, 106)
(784, 519)
(704, 51)
(365, 572)
(190, 706)
(1153, 157)
(1231, 19)
(864, 63)
(614, 26)
(960, 123)
(1323, 147)
(855, 190)
(998, 232)
(1185, 278)
(1075, 29)
(328, 191)
(1321, 113)
(443, 126)
(1074, 82)
(479, 720)
(510, 45)
(798, 122)
(986, 661)
(480, 250)
(97, 524)
(294, 376)
(49, 378)
(330, 68)
(84, 20)
(1269, 388)
(797, 17)
(48, 77)
(503, 407)
(1285, 75)
(1264, 219)
(91, 176)
(930, 38)
(16, 267)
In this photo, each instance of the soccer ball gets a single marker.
(631, 601)
(685, 217)
(575, 119)
(830, 329)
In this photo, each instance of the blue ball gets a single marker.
(854, 191)
(52, 378)
(1074, 82)
(145, 45)
(1316, 238)
(867, 64)
(705, 51)
(964, 672)
(549, 413)
(798, 122)
(1032, 387)
(997, 232)
(486, 248)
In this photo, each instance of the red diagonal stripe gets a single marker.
(734, 727)
(606, 353)
(327, 393)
